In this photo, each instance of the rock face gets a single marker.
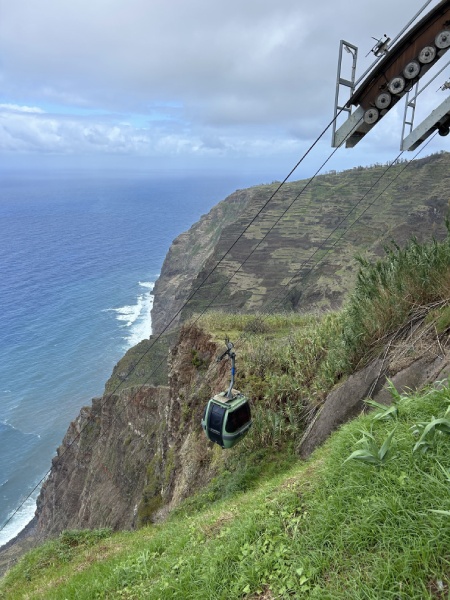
(423, 360)
(99, 472)
(132, 456)
(341, 405)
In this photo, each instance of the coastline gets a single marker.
(16, 547)
(137, 322)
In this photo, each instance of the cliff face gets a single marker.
(99, 471)
(188, 253)
(132, 456)
(333, 218)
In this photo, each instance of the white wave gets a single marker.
(6, 423)
(129, 314)
(136, 318)
(147, 284)
(19, 520)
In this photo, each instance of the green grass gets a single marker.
(145, 363)
(330, 528)
(388, 292)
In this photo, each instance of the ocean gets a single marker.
(79, 255)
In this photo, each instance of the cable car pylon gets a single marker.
(396, 72)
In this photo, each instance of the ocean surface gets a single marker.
(79, 255)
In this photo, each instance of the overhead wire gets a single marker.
(158, 366)
(234, 273)
(267, 312)
(177, 313)
(201, 285)
(372, 203)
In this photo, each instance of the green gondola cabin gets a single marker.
(227, 416)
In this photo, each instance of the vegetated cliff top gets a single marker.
(332, 219)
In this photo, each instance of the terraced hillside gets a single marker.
(300, 250)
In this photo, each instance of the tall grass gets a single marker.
(282, 367)
(388, 291)
(288, 363)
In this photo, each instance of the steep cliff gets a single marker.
(333, 218)
(99, 471)
(188, 253)
(135, 453)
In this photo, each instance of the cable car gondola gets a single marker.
(227, 416)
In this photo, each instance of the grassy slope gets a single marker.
(322, 529)
(145, 363)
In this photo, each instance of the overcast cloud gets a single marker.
(195, 80)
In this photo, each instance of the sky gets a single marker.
(220, 85)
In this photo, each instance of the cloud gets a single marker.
(127, 54)
(24, 129)
(15, 108)
(182, 76)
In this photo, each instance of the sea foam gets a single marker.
(20, 519)
(136, 318)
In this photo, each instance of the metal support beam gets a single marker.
(341, 81)
(348, 128)
(410, 110)
(438, 120)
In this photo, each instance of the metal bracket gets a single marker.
(231, 354)
(355, 127)
(438, 120)
(348, 83)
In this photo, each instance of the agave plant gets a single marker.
(370, 452)
(384, 412)
(429, 432)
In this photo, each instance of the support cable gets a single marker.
(372, 203)
(177, 313)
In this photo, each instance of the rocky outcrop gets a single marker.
(341, 405)
(420, 359)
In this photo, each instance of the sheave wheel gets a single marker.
(371, 116)
(427, 55)
(412, 69)
(442, 39)
(397, 85)
(383, 100)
